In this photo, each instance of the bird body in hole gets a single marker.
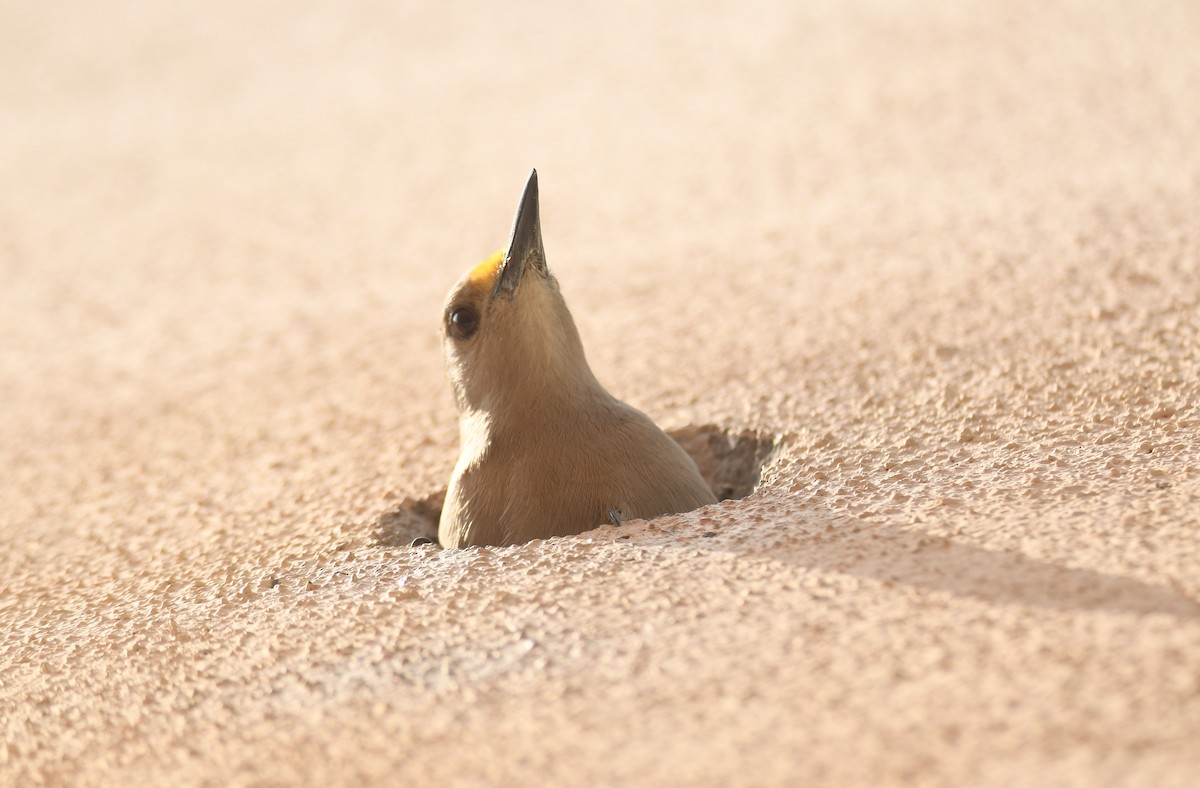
(545, 450)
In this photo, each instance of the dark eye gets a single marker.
(463, 322)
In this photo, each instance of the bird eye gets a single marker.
(463, 322)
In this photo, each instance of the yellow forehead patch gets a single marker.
(484, 274)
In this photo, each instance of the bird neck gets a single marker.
(534, 398)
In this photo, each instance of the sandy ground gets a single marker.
(936, 264)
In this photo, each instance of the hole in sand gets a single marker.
(415, 518)
(730, 462)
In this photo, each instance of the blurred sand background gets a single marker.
(940, 260)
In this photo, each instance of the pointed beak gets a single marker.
(525, 244)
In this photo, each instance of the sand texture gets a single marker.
(934, 267)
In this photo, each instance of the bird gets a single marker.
(544, 449)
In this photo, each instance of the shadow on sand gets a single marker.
(906, 557)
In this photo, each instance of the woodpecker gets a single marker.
(544, 450)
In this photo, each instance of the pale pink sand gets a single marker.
(946, 257)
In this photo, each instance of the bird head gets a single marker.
(508, 338)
